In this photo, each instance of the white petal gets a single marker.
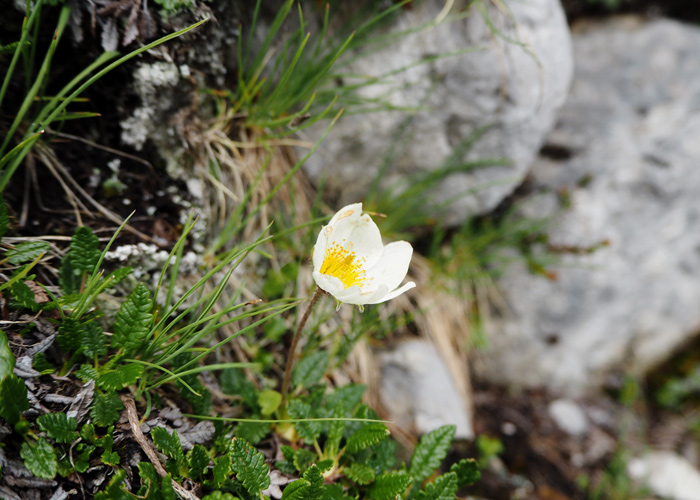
(357, 296)
(354, 210)
(392, 266)
(395, 293)
(365, 240)
(330, 284)
(320, 249)
(340, 226)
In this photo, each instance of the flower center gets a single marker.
(343, 264)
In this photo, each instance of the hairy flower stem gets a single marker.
(293, 348)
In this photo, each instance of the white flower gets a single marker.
(352, 264)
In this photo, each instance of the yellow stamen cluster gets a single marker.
(344, 265)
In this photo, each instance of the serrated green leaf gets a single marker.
(249, 466)
(40, 459)
(59, 426)
(235, 383)
(87, 373)
(7, 359)
(310, 369)
(167, 489)
(430, 452)
(443, 488)
(114, 380)
(84, 250)
(26, 252)
(198, 459)
(287, 465)
(336, 430)
(309, 431)
(360, 473)
(70, 335)
(110, 458)
(390, 484)
(13, 398)
(133, 321)
(87, 432)
(325, 465)
(69, 279)
(349, 395)
(303, 459)
(221, 470)
(82, 458)
(315, 478)
(105, 408)
(23, 297)
(366, 436)
(269, 401)
(4, 217)
(467, 471)
(94, 341)
(296, 490)
(150, 480)
(119, 274)
(253, 432)
(169, 445)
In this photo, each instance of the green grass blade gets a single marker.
(21, 46)
(43, 71)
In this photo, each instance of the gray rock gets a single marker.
(667, 475)
(418, 392)
(568, 416)
(516, 87)
(627, 146)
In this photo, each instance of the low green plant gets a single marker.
(334, 446)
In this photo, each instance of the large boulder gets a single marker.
(626, 148)
(514, 80)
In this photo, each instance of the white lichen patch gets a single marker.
(148, 258)
(149, 81)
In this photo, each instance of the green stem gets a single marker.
(293, 348)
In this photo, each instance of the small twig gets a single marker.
(149, 449)
(293, 347)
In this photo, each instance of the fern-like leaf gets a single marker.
(315, 478)
(360, 473)
(132, 322)
(114, 380)
(367, 436)
(13, 398)
(59, 426)
(40, 458)
(70, 335)
(84, 250)
(105, 408)
(389, 485)
(443, 488)
(297, 490)
(94, 341)
(430, 452)
(310, 431)
(253, 432)
(26, 252)
(249, 466)
(310, 369)
(198, 460)
(467, 471)
(169, 445)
